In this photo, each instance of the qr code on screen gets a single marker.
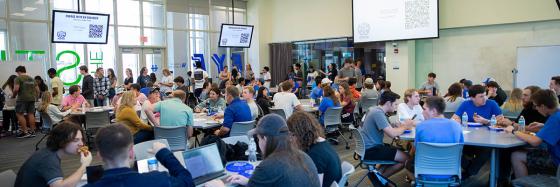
(95, 31)
(244, 38)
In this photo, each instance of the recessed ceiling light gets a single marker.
(18, 14)
(39, 2)
(29, 9)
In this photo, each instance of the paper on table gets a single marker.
(466, 132)
(199, 119)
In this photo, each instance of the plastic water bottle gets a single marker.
(84, 106)
(252, 150)
(465, 119)
(522, 124)
(493, 120)
(152, 164)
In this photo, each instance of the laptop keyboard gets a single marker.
(209, 177)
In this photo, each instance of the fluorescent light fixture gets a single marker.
(39, 2)
(18, 14)
(29, 9)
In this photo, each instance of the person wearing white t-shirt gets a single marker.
(199, 76)
(411, 107)
(248, 95)
(287, 100)
(166, 83)
(266, 77)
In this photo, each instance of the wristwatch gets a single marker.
(513, 132)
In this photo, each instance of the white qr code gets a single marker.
(95, 31)
(244, 38)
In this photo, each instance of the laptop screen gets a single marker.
(203, 160)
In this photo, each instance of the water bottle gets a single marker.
(84, 106)
(252, 150)
(465, 119)
(152, 164)
(521, 124)
(493, 120)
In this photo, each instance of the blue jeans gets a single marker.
(143, 135)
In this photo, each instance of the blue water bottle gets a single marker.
(465, 119)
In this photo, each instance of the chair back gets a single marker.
(331, 118)
(141, 149)
(241, 128)
(368, 103)
(47, 121)
(175, 136)
(97, 119)
(360, 149)
(232, 140)
(8, 178)
(438, 159)
(278, 111)
(347, 170)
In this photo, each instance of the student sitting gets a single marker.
(374, 128)
(236, 111)
(50, 109)
(126, 114)
(214, 102)
(114, 143)
(286, 99)
(43, 168)
(311, 139)
(329, 100)
(74, 99)
(248, 95)
(479, 110)
(317, 92)
(533, 119)
(547, 160)
(411, 107)
(283, 163)
(263, 100)
(496, 93)
(453, 98)
(147, 113)
(514, 105)
(348, 102)
(175, 113)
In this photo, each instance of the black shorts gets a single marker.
(381, 152)
(25, 107)
(540, 161)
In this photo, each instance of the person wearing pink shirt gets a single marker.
(74, 99)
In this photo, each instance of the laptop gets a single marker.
(204, 163)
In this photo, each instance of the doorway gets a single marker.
(137, 57)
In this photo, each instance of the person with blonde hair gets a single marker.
(248, 95)
(514, 105)
(47, 107)
(411, 107)
(126, 114)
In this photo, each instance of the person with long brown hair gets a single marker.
(9, 110)
(514, 105)
(329, 100)
(308, 134)
(347, 101)
(126, 114)
(283, 163)
(454, 97)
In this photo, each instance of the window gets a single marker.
(128, 13)
(153, 13)
(101, 6)
(28, 9)
(132, 36)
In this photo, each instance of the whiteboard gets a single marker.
(537, 64)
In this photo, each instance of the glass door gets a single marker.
(137, 58)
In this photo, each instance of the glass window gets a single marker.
(28, 9)
(101, 6)
(68, 59)
(3, 41)
(198, 45)
(129, 35)
(239, 17)
(219, 16)
(70, 5)
(176, 20)
(2, 8)
(103, 53)
(198, 22)
(177, 51)
(154, 37)
(153, 13)
(24, 36)
(128, 13)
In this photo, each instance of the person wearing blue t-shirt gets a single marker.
(329, 100)
(546, 102)
(317, 92)
(484, 109)
(466, 84)
(479, 105)
(236, 111)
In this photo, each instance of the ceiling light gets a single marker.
(29, 9)
(39, 2)
(18, 14)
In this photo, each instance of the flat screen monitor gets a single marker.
(233, 35)
(79, 27)
(386, 20)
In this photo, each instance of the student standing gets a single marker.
(430, 87)
(26, 90)
(87, 85)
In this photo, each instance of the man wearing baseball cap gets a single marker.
(317, 92)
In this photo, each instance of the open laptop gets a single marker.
(204, 163)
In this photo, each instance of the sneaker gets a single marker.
(32, 134)
(23, 135)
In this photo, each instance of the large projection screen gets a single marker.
(386, 20)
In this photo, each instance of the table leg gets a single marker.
(494, 167)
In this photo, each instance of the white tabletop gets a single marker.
(203, 121)
(481, 136)
(307, 105)
(104, 108)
